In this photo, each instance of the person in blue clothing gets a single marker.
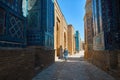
(65, 54)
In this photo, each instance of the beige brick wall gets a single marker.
(60, 30)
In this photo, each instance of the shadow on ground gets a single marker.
(76, 58)
(75, 68)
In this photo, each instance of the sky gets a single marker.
(74, 11)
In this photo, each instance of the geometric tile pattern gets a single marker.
(12, 24)
(15, 27)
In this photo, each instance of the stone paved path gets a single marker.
(73, 69)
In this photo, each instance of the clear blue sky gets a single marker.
(74, 11)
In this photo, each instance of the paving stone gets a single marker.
(73, 69)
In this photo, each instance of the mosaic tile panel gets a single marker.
(15, 27)
(15, 5)
(2, 21)
(41, 23)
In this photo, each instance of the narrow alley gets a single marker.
(75, 68)
(35, 35)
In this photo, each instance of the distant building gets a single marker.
(71, 39)
(12, 24)
(77, 41)
(40, 30)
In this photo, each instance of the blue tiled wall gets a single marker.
(41, 24)
(12, 24)
(107, 11)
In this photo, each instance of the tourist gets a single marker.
(65, 54)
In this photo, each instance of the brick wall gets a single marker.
(23, 64)
(119, 59)
(43, 58)
(16, 64)
(100, 59)
(105, 59)
(88, 55)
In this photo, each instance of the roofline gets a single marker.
(61, 11)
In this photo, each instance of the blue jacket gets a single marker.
(65, 52)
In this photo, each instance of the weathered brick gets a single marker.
(23, 64)
(43, 58)
(16, 64)
(105, 59)
(119, 59)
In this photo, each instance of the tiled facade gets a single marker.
(40, 30)
(60, 31)
(37, 32)
(106, 46)
(71, 39)
(12, 24)
(106, 23)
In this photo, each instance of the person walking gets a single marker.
(65, 54)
